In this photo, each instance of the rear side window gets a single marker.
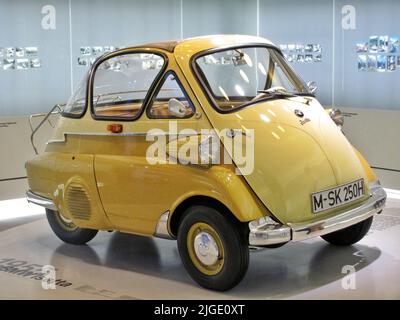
(121, 84)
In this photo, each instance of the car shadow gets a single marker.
(273, 273)
(300, 267)
(121, 251)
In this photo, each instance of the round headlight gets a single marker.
(337, 117)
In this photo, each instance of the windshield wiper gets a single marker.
(279, 92)
(275, 93)
(272, 93)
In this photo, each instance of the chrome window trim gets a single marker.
(206, 91)
(150, 90)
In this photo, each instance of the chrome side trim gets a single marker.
(266, 231)
(162, 227)
(40, 201)
(127, 134)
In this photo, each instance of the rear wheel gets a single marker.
(67, 231)
(213, 248)
(349, 235)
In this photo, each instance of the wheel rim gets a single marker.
(205, 248)
(65, 223)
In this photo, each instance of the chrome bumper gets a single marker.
(40, 201)
(266, 231)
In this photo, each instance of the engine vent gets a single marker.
(78, 202)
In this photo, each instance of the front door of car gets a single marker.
(141, 103)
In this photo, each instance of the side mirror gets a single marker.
(337, 117)
(312, 86)
(176, 108)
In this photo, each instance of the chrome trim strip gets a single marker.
(265, 231)
(40, 201)
(162, 227)
(127, 134)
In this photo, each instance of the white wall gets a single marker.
(16, 149)
(375, 133)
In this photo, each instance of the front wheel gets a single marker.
(67, 231)
(213, 248)
(349, 235)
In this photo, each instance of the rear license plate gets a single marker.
(335, 197)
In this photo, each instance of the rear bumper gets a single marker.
(266, 231)
(40, 201)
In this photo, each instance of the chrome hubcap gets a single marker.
(206, 248)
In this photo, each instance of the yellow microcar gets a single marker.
(213, 141)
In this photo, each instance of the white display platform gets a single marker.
(120, 266)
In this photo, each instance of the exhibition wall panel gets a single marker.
(367, 54)
(34, 57)
(359, 62)
(375, 133)
(102, 25)
(16, 149)
(41, 42)
(296, 27)
(219, 17)
(366, 77)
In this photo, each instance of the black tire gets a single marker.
(349, 235)
(69, 233)
(231, 236)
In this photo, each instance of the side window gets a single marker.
(121, 84)
(170, 88)
(280, 79)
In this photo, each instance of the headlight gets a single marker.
(337, 117)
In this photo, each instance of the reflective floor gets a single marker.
(120, 266)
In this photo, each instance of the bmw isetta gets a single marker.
(129, 154)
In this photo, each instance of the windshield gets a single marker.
(238, 77)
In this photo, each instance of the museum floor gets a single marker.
(120, 266)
